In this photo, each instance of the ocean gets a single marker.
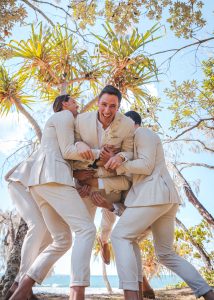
(59, 284)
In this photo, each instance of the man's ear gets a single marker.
(64, 104)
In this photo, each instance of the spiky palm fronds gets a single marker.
(128, 66)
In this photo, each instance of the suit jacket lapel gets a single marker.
(92, 129)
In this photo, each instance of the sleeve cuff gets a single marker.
(100, 184)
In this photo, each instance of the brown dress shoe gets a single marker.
(105, 252)
(149, 294)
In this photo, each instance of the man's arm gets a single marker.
(128, 144)
(115, 184)
(8, 174)
(146, 146)
(100, 201)
(84, 150)
(125, 153)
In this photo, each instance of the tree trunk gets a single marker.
(105, 278)
(204, 255)
(13, 260)
(63, 88)
(193, 199)
(31, 120)
(89, 105)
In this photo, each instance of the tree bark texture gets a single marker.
(14, 259)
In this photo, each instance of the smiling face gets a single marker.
(108, 105)
(71, 105)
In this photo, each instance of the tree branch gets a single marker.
(192, 197)
(187, 165)
(89, 105)
(201, 250)
(39, 11)
(191, 140)
(55, 6)
(176, 50)
(192, 127)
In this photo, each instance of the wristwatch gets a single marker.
(122, 157)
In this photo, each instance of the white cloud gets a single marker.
(152, 89)
(13, 129)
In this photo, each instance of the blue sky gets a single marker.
(14, 128)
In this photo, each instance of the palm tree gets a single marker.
(54, 60)
(125, 63)
(12, 96)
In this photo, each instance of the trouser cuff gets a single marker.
(203, 291)
(130, 285)
(79, 283)
(35, 278)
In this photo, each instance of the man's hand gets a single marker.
(100, 201)
(106, 154)
(84, 191)
(84, 151)
(114, 162)
(83, 174)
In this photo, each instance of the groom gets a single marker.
(111, 135)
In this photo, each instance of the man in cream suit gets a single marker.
(37, 237)
(52, 186)
(101, 130)
(151, 202)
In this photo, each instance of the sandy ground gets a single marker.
(170, 294)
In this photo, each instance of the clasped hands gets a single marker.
(108, 155)
(108, 159)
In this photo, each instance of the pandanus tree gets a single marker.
(54, 59)
(125, 63)
(12, 97)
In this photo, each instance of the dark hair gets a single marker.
(111, 90)
(57, 105)
(134, 116)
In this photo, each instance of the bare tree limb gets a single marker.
(192, 127)
(201, 250)
(39, 11)
(190, 140)
(89, 105)
(192, 197)
(187, 165)
(176, 50)
(53, 5)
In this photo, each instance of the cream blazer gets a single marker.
(57, 146)
(119, 134)
(21, 172)
(152, 184)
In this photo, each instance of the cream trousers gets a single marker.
(37, 237)
(64, 211)
(161, 218)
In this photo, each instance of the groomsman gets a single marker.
(151, 202)
(107, 132)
